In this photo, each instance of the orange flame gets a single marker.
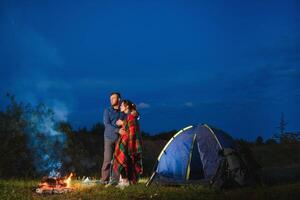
(68, 180)
(52, 185)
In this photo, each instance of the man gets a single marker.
(111, 133)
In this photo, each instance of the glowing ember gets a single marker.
(55, 185)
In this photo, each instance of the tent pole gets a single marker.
(188, 169)
(161, 153)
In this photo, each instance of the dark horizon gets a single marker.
(234, 65)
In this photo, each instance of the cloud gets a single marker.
(27, 48)
(92, 82)
(37, 50)
(274, 73)
(143, 105)
(189, 104)
(53, 84)
(74, 83)
(265, 83)
(29, 57)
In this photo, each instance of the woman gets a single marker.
(128, 151)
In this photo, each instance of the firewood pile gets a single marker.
(55, 185)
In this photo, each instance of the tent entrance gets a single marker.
(196, 168)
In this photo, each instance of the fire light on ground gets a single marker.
(55, 185)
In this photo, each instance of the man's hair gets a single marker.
(116, 93)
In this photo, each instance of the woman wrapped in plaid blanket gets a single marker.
(128, 150)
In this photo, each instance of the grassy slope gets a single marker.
(281, 162)
(14, 189)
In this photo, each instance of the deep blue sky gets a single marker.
(233, 64)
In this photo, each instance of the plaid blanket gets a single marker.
(128, 151)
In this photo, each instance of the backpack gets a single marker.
(237, 168)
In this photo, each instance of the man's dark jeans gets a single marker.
(107, 172)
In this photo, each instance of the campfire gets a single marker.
(55, 185)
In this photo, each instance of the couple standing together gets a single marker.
(122, 163)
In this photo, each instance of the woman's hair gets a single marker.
(131, 107)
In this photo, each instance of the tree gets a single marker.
(271, 141)
(259, 140)
(284, 136)
(15, 156)
(282, 124)
(288, 138)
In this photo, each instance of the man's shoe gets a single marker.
(100, 182)
(111, 183)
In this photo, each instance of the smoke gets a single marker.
(45, 140)
(61, 111)
(29, 56)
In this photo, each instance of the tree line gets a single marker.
(25, 145)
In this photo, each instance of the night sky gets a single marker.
(232, 64)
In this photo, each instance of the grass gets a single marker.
(24, 189)
(281, 170)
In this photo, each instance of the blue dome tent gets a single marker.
(201, 154)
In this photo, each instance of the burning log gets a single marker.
(55, 185)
